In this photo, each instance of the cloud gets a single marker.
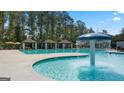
(116, 19)
(121, 12)
(115, 14)
(118, 13)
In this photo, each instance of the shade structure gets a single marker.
(49, 41)
(92, 37)
(9, 43)
(29, 41)
(64, 42)
(17, 43)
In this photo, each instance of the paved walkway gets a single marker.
(18, 66)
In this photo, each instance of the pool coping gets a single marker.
(84, 55)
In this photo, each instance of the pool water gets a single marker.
(109, 67)
(47, 51)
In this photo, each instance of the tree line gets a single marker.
(57, 25)
(15, 26)
(117, 37)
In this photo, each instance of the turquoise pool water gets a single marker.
(47, 51)
(108, 67)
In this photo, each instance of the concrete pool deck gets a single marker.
(18, 66)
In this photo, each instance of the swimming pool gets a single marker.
(47, 51)
(108, 67)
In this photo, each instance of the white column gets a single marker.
(35, 45)
(45, 45)
(77, 44)
(55, 45)
(23, 45)
(63, 45)
(92, 52)
(71, 45)
(110, 44)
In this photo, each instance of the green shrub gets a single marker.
(1, 45)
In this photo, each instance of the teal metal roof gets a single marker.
(94, 36)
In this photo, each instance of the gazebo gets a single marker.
(66, 42)
(49, 42)
(29, 44)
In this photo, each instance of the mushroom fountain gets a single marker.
(92, 37)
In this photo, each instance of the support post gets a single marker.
(63, 45)
(23, 46)
(35, 45)
(109, 44)
(55, 45)
(45, 45)
(71, 45)
(92, 52)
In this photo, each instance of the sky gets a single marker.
(112, 21)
